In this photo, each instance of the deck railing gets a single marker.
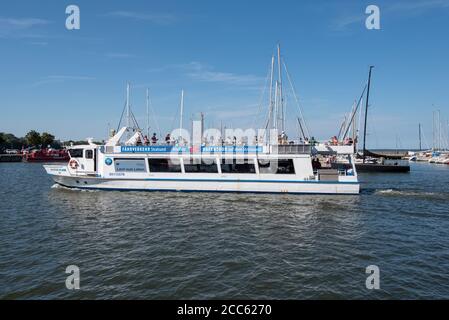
(292, 149)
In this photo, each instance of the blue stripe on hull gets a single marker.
(218, 180)
(251, 181)
(203, 191)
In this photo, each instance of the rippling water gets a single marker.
(210, 246)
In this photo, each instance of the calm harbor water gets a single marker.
(210, 246)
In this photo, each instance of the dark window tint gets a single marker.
(285, 166)
(280, 166)
(89, 154)
(204, 167)
(130, 165)
(241, 166)
(76, 153)
(163, 165)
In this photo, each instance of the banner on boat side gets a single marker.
(203, 149)
(153, 149)
(232, 149)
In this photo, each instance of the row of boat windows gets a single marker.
(283, 166)
(78, 153)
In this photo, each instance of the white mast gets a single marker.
(280, 102)
(182, 111)
(439, 130)
(433, 129)
(148, 111)
(276, 105)
(128, 111)
(271, 91)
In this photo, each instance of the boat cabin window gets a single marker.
(203, 167)
(130, 165)
(76, 153)
(285, 166)
(280, 166)
(241, 166)
(163, 165)
(89, 154)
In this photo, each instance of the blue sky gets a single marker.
(72, 83)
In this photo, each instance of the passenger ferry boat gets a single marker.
(269, 164)
(266, 168)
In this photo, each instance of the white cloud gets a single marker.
(13, 27)
(60, 79)
(418, 5)
(204, 73)
(343, 22)
(23, 23)
(157, 18)
(198, 71)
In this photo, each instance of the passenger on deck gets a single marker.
(168, 138)
(146, 141)
(334, 141)
(154, 139)
(138, 141)
(316, 164)
(284, 138)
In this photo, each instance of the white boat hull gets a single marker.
(209, 185)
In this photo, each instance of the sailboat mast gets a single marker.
(420, 146)
(182, 111)
(276, 105)
(354, 125)
(366, 112)
(439, 130)
(280, 102)
(433, 130)
(270, 124)
(128, 110)
(300, 128)
(148, 111)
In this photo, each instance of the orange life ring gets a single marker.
(73, 164)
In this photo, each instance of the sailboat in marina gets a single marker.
(439, 153)
(270, 164)
(375, 162)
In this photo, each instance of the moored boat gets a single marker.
(46, 155)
